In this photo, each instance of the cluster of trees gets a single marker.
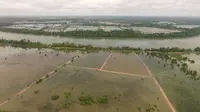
(173, 61)
(164, 26)
(65, 45)
(172, 49)
(22, 43)
(112, 34)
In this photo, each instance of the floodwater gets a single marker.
(19, 67)
(143, 43)
(183, 93)
(125, 93)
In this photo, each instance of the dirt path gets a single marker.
(105, 61)
(50, 74)
(156, 82)
(108, 71)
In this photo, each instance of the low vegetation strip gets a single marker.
(111, 34)
(63, 46)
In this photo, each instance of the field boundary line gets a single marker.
(43, 77)
(105, 61)
(108, 71)
(122, 73)
(81, 67)
(156, 82)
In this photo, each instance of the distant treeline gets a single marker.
(112, 34)
(163, 26)
(28, 44)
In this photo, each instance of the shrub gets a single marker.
(39, 81)
(86, 100)
(36, 91)
(103, 100)
(54, 97)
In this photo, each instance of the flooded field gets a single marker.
(196, 65)
(21, 68)
(183, 92)
(124, 93)
(110, 82)
(92, 60)
(127, 63)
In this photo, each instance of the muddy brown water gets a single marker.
(19, 68)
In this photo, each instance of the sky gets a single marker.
(99, 7)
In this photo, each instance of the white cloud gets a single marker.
(100, 7)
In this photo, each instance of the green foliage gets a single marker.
(178, 56)
(54, 97)
(22, 43)
(47, 76)
(127, 33)
(39, 81)
(86, 100)
(67, 95)
(103, 100)
(2, 111)
(68, 104)
(36, 91)
(192, 61)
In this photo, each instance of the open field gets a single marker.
(127, 63)
(182, 92)
(123, 78)
(92, 60)
(20, 69)
(125, 93)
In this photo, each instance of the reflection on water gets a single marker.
(144, 43)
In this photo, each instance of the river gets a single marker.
(143, 43)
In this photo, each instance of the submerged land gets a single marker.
(65, 76)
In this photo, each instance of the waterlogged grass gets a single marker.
(127, 63)
(92, 60)
(183, 92)
(88, 90)
(24, 67)
(176, 55)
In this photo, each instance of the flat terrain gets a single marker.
(130, 92)
(92, 60)
(19, 69)
(127, 63)
(181, 91)
(123, 78)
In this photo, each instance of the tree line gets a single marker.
(127, 33)
(29, 44)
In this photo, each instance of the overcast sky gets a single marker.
(100, 7)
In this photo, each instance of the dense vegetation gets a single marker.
(61, 46)
(22, 43)
(112, 34)
(54, 97)
(175, 60)
(163, 26)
